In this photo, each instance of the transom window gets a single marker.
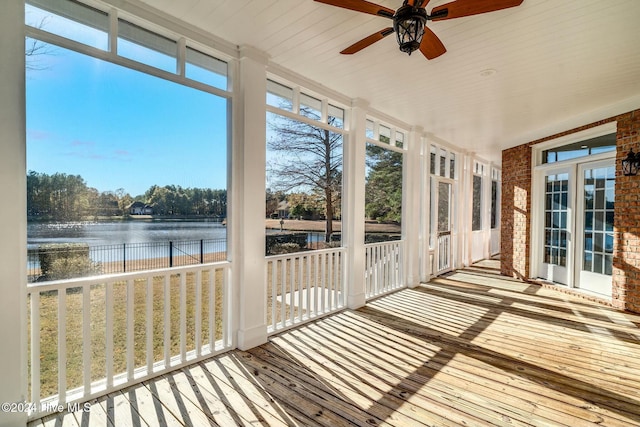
(600, 144)
(300, 102)
(89, 26)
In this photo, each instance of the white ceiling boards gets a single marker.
(508, 77)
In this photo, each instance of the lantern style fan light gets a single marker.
(410, 21)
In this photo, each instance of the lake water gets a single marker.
(119, 232)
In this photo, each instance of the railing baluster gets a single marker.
(226, 297)
(149, 307)
(274, 290)
(308, 285)
(198, 334)
(300, 288)
(35, 348)
(167, 320)
(292, 288)
(283, 291)
(212, 310)
(130, 331)
(183, 317)
(329, 294)
(86, 339)
(316, 284)
(109, 334)
(62, 345)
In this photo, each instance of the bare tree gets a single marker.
(306, 158)
(35, 49)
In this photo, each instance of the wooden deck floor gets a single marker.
(468, 349)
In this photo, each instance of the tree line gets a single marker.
(66, 197)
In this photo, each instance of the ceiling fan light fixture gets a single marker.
(409, 22)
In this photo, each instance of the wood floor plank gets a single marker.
(94, 417)
(233, 390)
(412, 386)
(445, 364)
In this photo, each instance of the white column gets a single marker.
(247, 221)
(425, 211)
(13, 215)
(411, 199)
(353, 199)
(467, 192)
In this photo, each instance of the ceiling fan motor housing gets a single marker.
(409, 22)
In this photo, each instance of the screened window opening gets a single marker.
(310, 107)
(87, 178)
(369, 131)
(206, 69)
(384, 134)
(304, 184)
(336, 117)
(383, 193)
(279, 96)
(142, 45)
(69, 19)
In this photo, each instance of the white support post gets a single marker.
(353, 212)
(13, 221)
(411, 199)
(467, 210)
(425, 211)
(247, 221)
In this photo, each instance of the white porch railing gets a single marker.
(91, 336)
(303, 286)
(444, 251)
(383, 267)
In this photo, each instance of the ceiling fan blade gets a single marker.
(361, 6)
(460, 8)
(367, 41)
(423, 3)
(431, 46)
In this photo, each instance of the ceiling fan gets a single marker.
(409, 21)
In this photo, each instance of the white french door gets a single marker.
(575, 225)
(557, 225)
(594, 219)
(441, 214)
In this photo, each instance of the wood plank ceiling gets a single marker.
(557, 64)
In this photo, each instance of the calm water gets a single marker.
(135, 231)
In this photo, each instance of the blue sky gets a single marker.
(119, 128)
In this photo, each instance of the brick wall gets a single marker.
(516, 207)
(626, 246)
(516, 212)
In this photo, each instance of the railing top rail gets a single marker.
(386, 243)
(305, 253)
(88, 281)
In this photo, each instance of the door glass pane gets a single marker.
(476, 218)
(443, 206)
(599, 195)
(556, 207)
